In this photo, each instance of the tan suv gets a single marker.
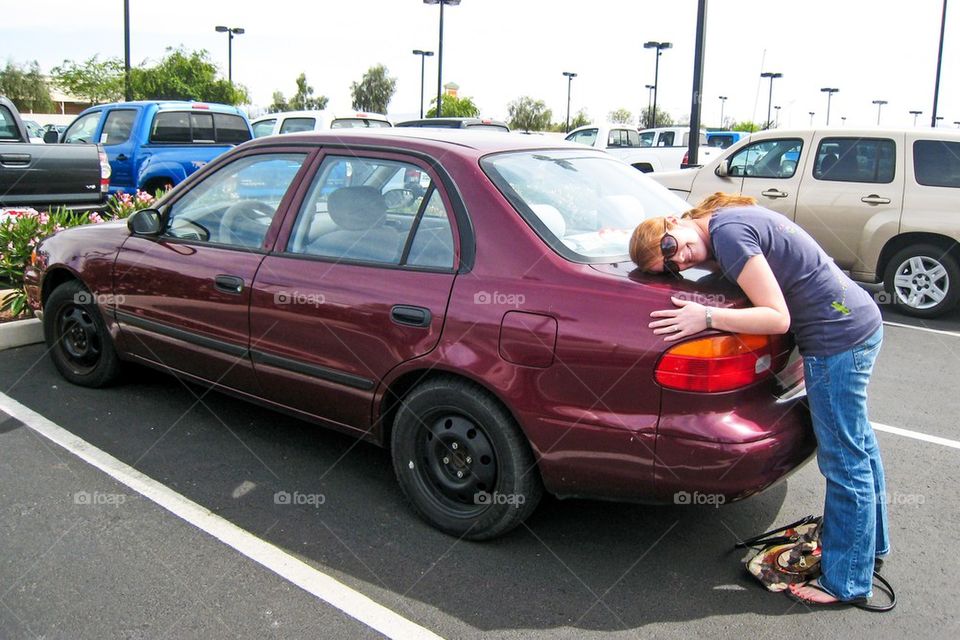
(884, 204)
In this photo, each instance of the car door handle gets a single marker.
(15, 159)
(229, 284)
(410, 316)
(874, 199)
(122, 158)
(774, 193)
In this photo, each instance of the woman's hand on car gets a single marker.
(688, 319)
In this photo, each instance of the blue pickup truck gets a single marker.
(152, 144)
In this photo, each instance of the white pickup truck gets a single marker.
(627, 144)
(671, 143)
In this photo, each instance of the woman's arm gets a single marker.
(769, 315)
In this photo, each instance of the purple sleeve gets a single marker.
(733, 244)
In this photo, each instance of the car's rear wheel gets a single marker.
(923, 281)
(462, 461)
(77, 338)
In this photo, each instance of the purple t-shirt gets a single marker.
(829, 313)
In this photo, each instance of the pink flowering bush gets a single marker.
(21, 231)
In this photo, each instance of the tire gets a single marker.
(448, 426)
(923, 281)
(77, 338)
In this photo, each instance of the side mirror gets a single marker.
(51, 137)
(723, 169)
(146, 223)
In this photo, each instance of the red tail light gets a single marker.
(686, 157)
(721, 362)
(105, 172)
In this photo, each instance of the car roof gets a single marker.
(470, 142)
(323, 113)
(847, 132)
(164, 105)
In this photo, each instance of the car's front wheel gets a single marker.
(462, 461)
(77, 338)
(923, 281)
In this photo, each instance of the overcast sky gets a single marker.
(499, 50)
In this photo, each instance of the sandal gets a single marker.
(860, 603)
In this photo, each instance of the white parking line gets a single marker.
(916, 435)
(941, 332)
(330, 590)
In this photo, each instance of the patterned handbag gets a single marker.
(786, 555)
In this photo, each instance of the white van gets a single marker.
(300, 121)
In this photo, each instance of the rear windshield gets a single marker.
(193, 127)
(490, 127)
(584, 205)
(357, 123)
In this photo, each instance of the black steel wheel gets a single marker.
(78, 340)
(462, 461)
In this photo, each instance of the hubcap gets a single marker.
(78, 339)
(921, 282)
(458, 462)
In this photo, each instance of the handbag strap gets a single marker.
(885, 586)
(763, 540)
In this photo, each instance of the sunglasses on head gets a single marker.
(668, 249)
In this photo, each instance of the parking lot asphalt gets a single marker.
(100, 566)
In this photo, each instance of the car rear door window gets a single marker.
(767, 159)
(117, 126)
(295, 125)
(377, 211)
(856, 160)
(236, 204)
(170, 126)
(230, 129)
(936, 163)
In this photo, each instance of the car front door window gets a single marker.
(767, 159)
(236, 204)
(81, 131)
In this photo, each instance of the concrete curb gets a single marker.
(20, 333)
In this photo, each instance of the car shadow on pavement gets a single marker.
(334, 502)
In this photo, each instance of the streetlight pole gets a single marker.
(423, 56)
(812, 113)
(829, 91)
(723, 102)
(127, 93)
(880, 104)
(570, 76)
(776, 108)
(843, 121)
(452, 3)
(957, 122)
(772, 76)
(936, 86)
(915, 114)
(659, 46)
(937, 120)
(650, 89)
(230, 31)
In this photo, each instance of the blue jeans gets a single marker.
(855, 511)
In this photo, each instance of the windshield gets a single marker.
(584, 205)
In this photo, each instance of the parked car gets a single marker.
(672, 145)
(156, 144)
(621, 141)
(39, 176)
(490, 331)
(300, 121)
(34, 130)
(882, 203)
(457, 123)
(724, 139)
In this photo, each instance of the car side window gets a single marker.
(294, 125)
(646, 138)
(936, 163)
(263, 128)
(82, 129)
(117, 126)
(666, 139)
(170, 126)
(377, 211)
(767, 159)
(856, 160)
(236, 204)
(8, 126)
(587, 137)
(230, 129)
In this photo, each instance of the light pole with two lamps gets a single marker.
(659, 46)
(829, 91)
(452, 3)
(230, 31)
(915, 114)
(723, 102)
(879, 104)
(423, 56)
(570, 76)
(772, 76)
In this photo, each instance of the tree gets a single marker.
(184, 75)
(527, 114)
(92, 80)
(746, 125)
(279, 104)
(25, 87)
(663, 119)
(303, 99)
(374, 91)
(454, 107)
(620, 116)
(579, 120)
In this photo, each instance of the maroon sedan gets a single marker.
(464, 299)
